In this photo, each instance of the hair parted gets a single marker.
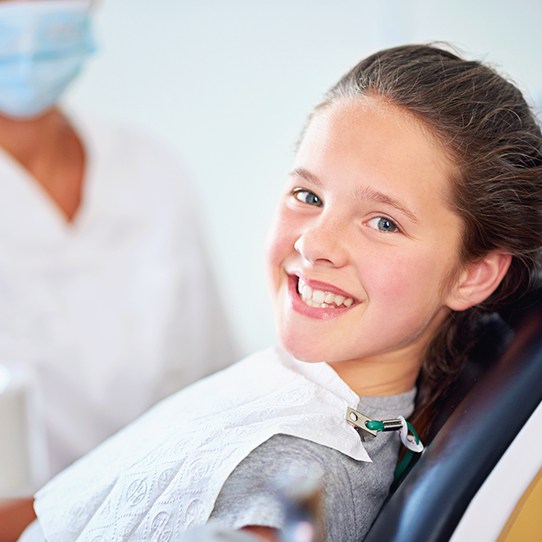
(494, 140)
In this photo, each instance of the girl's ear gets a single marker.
(478, 280)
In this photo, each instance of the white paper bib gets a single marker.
(162, 474)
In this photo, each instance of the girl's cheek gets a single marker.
(279, 245)
(388, 275)
(276, 249)
(282, 230)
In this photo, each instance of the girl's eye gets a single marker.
(383, 224)
(308, 197)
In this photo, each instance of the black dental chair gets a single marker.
(492, 400)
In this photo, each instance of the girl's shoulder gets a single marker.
(349, 488)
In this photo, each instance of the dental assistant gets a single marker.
(106, 294)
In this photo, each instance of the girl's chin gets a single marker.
(309, 355)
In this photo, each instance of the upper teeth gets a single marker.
(320, 298)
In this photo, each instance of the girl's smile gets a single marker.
(365, 246)
(318, 299)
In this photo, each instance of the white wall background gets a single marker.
(227, 85)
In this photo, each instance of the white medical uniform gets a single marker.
(117, 309)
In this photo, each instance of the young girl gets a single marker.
(414, 206)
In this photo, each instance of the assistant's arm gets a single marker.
(15, 516)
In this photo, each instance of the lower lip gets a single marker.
(312, 312)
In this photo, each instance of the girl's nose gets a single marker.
(322, 245)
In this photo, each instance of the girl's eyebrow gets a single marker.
(305, 174)
(367, 193)
(361, 194)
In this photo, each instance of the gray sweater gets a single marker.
(353, 491)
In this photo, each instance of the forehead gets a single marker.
(370, 139)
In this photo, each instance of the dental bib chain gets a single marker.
(368, 428)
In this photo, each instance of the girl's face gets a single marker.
(365, 247)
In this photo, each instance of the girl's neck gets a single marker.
(392, 372)
(371, 377)
(387, 373)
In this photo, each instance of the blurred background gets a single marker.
(227, 86)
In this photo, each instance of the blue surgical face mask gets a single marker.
(43, 45)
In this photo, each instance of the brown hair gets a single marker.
(494, 140)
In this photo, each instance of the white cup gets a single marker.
(22, 444)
